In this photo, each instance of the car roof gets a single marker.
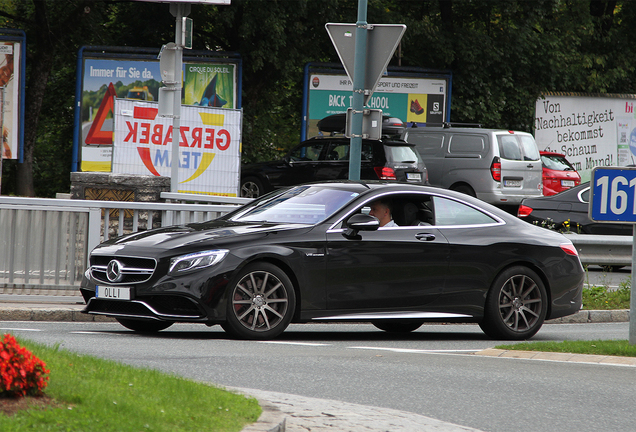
(383, 141)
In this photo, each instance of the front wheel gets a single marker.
(516, 305)
(261, 303)
(144, 325)
(251, 187)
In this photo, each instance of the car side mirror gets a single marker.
(360, 222)
(287, 159)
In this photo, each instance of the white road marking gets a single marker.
(294, 343)
(416, 351)
(20, 329)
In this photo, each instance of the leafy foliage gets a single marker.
(503, 55)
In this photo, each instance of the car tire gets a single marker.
(251, 187)
(259, 312)
(465, 189)
(399, 325)
(516, 305)
(144, 325)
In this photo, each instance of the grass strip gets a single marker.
(99, 395)
(598, 347)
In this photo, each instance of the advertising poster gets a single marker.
(209, 85)
(9, 78)
(413, 100)
(209, 145)
(591, 131)
(104, 79)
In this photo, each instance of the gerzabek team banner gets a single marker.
(209, 146)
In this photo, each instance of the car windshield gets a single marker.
(300, 204)
(555, 162)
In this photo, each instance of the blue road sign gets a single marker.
(613, 195)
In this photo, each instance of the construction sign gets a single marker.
(209, 147)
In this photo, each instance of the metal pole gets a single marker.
(2, 89)
(179, 10)
(632, 299)
(359, 66)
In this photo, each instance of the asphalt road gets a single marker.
(430, 372)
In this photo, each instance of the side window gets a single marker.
(307, 153)
(466, 144)
(337, 151)
(367, 151)
(529, 146)
(427, 144)
(509, 147)
(449, 212)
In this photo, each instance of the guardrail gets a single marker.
(603, 250)
(44, 243)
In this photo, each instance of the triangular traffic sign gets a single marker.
(96, 135)
(382, 40)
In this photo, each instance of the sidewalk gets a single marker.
(291, 413)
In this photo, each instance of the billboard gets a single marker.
(209, 145)
(414, 97)
(104, 76)
(11, 76)
(590, 130)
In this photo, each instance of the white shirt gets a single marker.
(390, 224)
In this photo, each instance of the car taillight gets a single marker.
(569, 249)
(385, 173)
(524, 211)
(495, 169)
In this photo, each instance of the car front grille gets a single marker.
(122, 270)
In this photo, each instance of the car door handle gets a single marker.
(425, 236)
(530, 166)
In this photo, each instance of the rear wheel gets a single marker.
(399, 325)
(516, 305)
(465, 189)
(251, 187)
(261, 302)
(143, 325)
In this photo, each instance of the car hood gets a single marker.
(191, 236)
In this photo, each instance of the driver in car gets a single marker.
(381, 209)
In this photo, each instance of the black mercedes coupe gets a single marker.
(313, 253)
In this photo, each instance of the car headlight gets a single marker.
(196, 261)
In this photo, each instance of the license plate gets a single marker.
(109, 292)
(414, 176)
(512, 183)
(567, 183)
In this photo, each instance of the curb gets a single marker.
(49, 314)
(593, 316)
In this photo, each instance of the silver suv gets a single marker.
(497, 166)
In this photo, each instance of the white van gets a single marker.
(497, 166)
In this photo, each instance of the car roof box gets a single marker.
(335, 124)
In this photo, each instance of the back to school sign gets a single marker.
(209, 145)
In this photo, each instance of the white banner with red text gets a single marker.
(209, 145)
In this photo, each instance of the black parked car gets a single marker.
(312, 253)
(568, 210)
(327, 158)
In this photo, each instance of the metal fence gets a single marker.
(603, 250)
(44, 243)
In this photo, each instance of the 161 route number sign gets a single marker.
(613, 195)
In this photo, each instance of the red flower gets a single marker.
(21, 372)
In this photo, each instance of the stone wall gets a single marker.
(106, 186)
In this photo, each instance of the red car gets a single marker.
(558, 173)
